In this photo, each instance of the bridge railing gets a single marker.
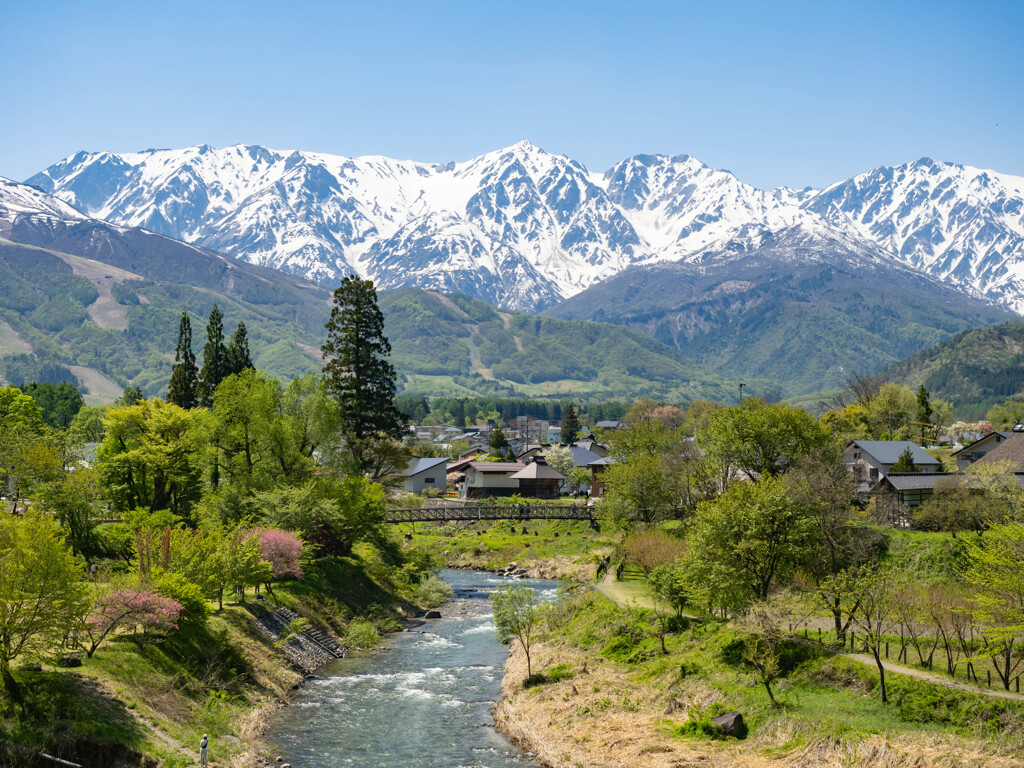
(455, 513)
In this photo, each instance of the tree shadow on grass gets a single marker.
(70, 717)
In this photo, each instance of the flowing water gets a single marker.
(420, 700)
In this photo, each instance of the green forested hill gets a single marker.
(454, 344)
(114, 321)
(973, 370)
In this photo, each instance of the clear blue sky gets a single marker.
(779, 93)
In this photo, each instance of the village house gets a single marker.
(490, 478)
(538, 481)
(423, 474)
(978, 449)
(871, 460)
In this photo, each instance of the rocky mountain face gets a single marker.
(524, 228)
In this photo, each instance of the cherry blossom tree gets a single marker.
(129, 607)
(281, 551)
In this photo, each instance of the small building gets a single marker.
(1009, 451)
(539, 481)
(554, 435)
(871, 460)
(609, 424)
(979, 448)
(490, 478)
(421, 474)
(593, 446)
(597, 469)
(898, 493)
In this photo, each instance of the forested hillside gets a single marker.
(452, 344)
(973, 370)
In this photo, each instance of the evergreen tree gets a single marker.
(905, 463)
(239, 358)
(132, 395)
(182, 390)
(215, 358)
(570, 425)
(497, 440)
(358, 375)
(924, 411)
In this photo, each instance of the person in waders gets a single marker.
(203, 744)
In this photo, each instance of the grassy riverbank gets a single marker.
(149, 705)
(619, 700)
(552, 549)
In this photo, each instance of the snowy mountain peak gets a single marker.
(523, 227)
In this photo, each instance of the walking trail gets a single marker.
(627, 593)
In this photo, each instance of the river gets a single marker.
(422, 699)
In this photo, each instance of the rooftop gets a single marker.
(889, 451)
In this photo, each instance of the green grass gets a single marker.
(822, 696)
(491, 544)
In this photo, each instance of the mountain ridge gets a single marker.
(523, 228)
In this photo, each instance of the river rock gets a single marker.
(732, 723)
(432, 615)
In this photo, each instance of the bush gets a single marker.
(699, 725)
(177, 587)
(432, 592)
(361, 633)
(648, 549)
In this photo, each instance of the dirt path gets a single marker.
(931, 677)
(624, 594)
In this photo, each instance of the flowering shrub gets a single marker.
(130, 607)
(281, 549)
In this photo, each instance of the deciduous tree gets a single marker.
(517, 615)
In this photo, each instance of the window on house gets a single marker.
(874, 473)
(856, 455)
(428, 479)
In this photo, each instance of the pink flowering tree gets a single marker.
(281, 550)
(129, 607)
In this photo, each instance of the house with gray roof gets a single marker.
(421, 474)
(871, 460)
(978, 449)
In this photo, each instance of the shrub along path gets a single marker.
(632, 593)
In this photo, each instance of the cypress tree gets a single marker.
(182, 390)
(358, 374)
(238, 351)
(570, 425)
(215, 358)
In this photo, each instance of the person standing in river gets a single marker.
(203, 744)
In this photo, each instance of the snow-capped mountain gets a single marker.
(525, 228)
(20, 201)
(962, 224)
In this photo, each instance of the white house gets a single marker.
(871, 460)
(422, 474)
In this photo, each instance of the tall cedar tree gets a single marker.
(570, 425)
(238, 351)
(183, 389)
(215, 358)
(358, 374)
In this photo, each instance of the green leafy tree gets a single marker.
(183, 388)
(570, 425)
(18, 413)
(668, 584)
(151, 457)
(87, 426)
(995, 573)
(890, 411)
(58, 403)
(359, 376)
(905, 462)
(215, 358)
(329, 514)
(760, 439)
(517, 615)
(745, 541)
(955, 507)
(239, 358)
(42, 591)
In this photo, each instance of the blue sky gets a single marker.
(779, 93)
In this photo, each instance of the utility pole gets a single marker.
(741, 391)
(890, 426)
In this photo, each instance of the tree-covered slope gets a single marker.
(447, 342)
(973, 369)
(805, 312)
